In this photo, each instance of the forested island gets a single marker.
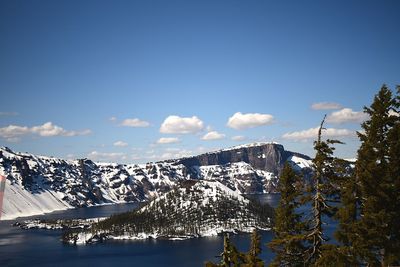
(194, 209)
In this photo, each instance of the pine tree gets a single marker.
(251, 258)
(371, 167)
(376, 232)
(394, 174)
(226, 254)
(230, 257)
(343, 254)
(347, 216)
(289, 228)
(210, 264)
(324, 191)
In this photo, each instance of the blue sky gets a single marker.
(98, 79)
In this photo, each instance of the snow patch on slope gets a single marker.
(301, 163)
(20, 202)
(239, 175)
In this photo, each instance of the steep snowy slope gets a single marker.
(21, 202)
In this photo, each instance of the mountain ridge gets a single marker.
(40, 184)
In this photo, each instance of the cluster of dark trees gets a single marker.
(182, 212)
(363, 199)
(232, 257)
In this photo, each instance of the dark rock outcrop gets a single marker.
(269, 157)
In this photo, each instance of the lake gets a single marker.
(36, 247)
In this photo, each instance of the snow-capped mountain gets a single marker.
(195, 208)
(38, 184)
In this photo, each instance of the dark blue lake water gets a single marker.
(20, 247)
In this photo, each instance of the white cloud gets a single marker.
(168, 153)
(12, 131)
(346, 115)
(105, 156)
(214, 135)
(113, 119)
(168, 140)
(312, 133)
(180, 125)
(49, 129)
(238, 138)
(136, 157)
(120, 144)
(7, 113)
(241, 121)
(71, 156)
(146, 158)
(150, 151)
(175, 153)
(46, 130)
(13, 139)
(203, 149)
(326, 106)
(135, 123)
(83, 132)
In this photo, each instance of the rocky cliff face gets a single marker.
(269, 157)
(37, 184)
